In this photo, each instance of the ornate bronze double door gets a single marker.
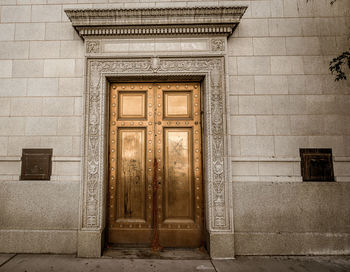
(155, 172)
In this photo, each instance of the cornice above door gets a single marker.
(207, 21)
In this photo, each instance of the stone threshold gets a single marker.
(165, 253)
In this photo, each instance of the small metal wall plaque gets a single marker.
(36, 164)
(316, 164)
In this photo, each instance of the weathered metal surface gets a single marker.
(155, 172)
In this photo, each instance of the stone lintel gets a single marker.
(156, 21)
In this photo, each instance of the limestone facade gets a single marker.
(277, 96)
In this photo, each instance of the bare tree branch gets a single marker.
(337, 64)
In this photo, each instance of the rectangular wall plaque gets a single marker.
(316, 164)
(36, 164)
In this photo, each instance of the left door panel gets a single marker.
(130, 163)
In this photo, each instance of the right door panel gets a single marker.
(180, 190)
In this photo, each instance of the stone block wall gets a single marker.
(280, 96)
(41, 88)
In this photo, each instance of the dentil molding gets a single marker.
(156, 21)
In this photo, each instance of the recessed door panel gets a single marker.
(177, 104)
(132, 105)
(131, 174)
(155, 173)
(178, 173)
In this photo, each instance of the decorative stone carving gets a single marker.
(217, 45)
(155, 64)
(92, 46)
(156, 21)
(94, 178)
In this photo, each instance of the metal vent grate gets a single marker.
(36, 164)
(316, 164)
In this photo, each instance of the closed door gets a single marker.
(155, 173)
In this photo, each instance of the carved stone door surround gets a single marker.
(209, 68)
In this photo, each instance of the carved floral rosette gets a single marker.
(214, 124)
